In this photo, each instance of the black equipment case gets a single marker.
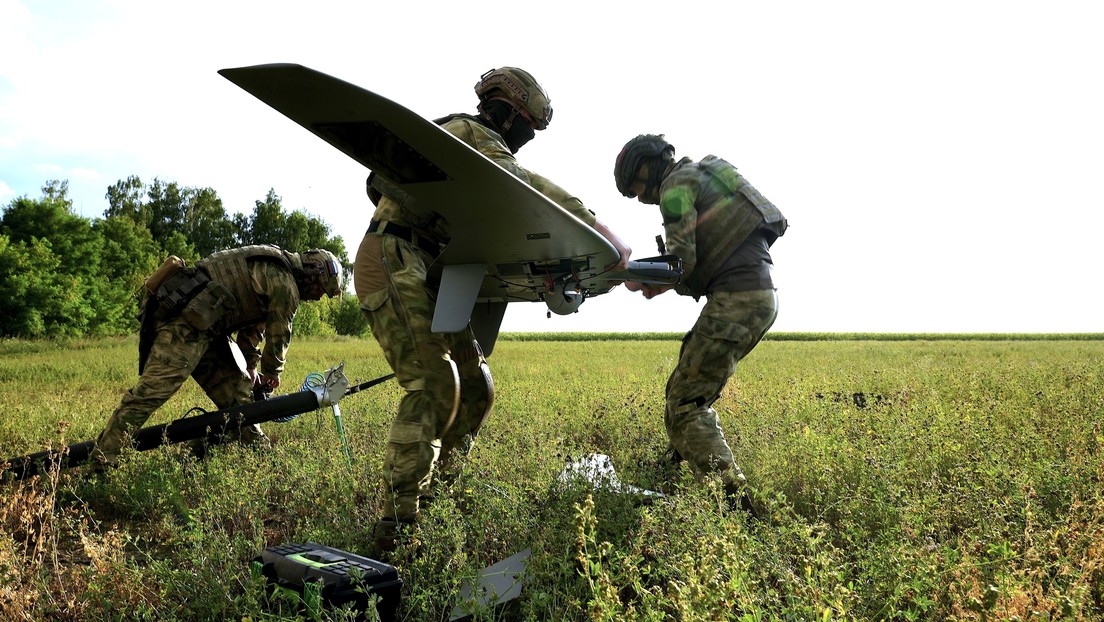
(322, 575)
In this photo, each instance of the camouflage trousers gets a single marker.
(448, 387)
(178, 351)
(731, 324)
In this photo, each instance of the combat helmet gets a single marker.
(652, 149)
(520, 88)
(327, 267)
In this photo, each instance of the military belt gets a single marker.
(405, 233)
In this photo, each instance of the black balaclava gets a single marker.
(508, 122)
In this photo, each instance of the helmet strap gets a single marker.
(502, 114)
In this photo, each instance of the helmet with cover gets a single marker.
(520, 88)
(326, 267)
(650, 149)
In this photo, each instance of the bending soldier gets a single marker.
(723, 229)
(449, 390)
(253, 293)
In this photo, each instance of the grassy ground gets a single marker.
(905, 480)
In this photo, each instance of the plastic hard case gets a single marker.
(321, 575)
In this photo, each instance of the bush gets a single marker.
(309, 320)
(331, 316)
(346, 318)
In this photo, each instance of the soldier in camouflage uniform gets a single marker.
(251, 292)
(449, 390)
(723, 229)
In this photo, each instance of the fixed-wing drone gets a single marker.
(510, 243)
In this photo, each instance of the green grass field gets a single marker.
(905, 479)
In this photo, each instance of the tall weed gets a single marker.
(902, 480)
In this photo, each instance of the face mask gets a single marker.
(519, 132)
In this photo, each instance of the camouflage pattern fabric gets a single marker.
(178, 351)
(448, 386)
(449, 389)
(729, 327)
(709, 210)
(273, 296)
(234, 269)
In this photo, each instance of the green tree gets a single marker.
(64, 274)
(296, 232)
(206, 224)
(167, 203)
(241, 227)
(126, 199)
(36, 298)
(69, 255)
(346, 317)
(309, 320)
(266, 224)
(184, 221)
(52, 218)
(129, 256)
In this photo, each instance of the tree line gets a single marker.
(66, 275)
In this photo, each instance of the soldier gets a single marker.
(722, 228)
(449, 390)
(188, 318)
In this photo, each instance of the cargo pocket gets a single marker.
(372, 301)
(407, 432)
(169, 348)
(209, 307)
(408, 455)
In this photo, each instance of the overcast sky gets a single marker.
(940, 162)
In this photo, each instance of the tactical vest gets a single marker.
(229, 270)
(733, 209)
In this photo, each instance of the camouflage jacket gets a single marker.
(709, 210)
(253, 292)
(486, 141)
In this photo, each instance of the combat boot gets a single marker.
(388, 534)
(253, 437)
(100, 465)
(198, 447)
(671, 455)
(106, 449)
(739, 498)
(667, 468)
